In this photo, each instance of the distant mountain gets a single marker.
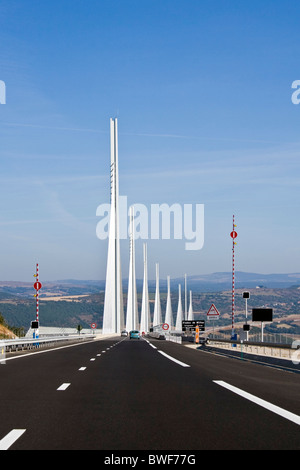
(215, 282)
(223, 281)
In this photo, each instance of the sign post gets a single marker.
(213, 314)
(37, 286)
(233, 235)
(262, 315)
(246, 296)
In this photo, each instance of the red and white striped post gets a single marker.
(233, 236)
(37, 285)
(37, 293)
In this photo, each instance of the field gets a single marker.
(70, 304)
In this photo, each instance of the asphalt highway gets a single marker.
(119, 394)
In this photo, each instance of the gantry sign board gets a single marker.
(262, 314)
(190, 325)
(213, 313)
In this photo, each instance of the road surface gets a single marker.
(119, 394)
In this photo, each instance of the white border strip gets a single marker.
(11, 438)
(173, 359)
(265, 404)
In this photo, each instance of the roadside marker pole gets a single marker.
(233, 236)
(37, 297)
(37, 286)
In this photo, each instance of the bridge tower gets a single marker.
(157, 306)
(179, 311)
(132, 320)
(169, 314)
(191, 312)
(113, 315)
(145, 312)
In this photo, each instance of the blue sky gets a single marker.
(202, 92)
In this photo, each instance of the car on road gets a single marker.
(134, 334)
(124, 333)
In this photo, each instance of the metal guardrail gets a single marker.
(9, 345)
(250, 343)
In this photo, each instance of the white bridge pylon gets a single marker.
(113, 314)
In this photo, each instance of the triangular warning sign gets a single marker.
(213, 311)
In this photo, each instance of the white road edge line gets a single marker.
(11, 438)
(63, 387)
(265, 404)
(173, 359)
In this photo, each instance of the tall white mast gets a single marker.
(169, 314)
(157, 306)
(113, 315)
(132, 321)
(179, 311)
(145, 313)
(191, 313)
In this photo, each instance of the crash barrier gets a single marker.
(156, 335)
(281, 351)
(20, 344)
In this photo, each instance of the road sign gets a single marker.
(213, 313)
(262, 314)
(93, 326)
(37, 285)
(191, 325)
(165, 326)
(233, 234)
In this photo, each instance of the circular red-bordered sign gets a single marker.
(165, 326)
(93, 326)
(37, 285)
(233, 234)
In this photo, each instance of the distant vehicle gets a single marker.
(124, 333)
(134, 334)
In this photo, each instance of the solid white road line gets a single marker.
(11, 438)
(63, 387)
(174, 360)
(265, 404)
